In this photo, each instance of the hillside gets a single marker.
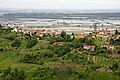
(26, 57)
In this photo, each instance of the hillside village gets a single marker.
(104, 34)
(50, 54)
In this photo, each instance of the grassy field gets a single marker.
(10, 59)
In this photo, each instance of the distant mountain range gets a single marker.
(62, 15)
(6, 10)
(59, 14)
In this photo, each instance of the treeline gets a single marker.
(62, 38)
(12, 74)
(63, 72)
(69, 73)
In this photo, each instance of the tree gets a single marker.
(21, 75)
(116, 32)
(1, 48)
(118, 52)
(6, 72)
(1, 26)
(43, 74)
(27, 58)
(73, 34)
(13, 74)
(55, 39)
(31, 43)
(114, 66)
(63, 34)
(61, 50)
(16, 43)
(112, 41)
(117, 42)
(67, 38)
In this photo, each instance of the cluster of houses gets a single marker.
(92, 47)
(39, 33)
(105, 34)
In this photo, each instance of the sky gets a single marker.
(60, 4)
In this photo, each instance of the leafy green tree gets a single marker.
(1, 26)
(116, 32)
(31, 43)
(118, 51)
(27, 58)
(114, 66)
(21, 75)
(1, 48)
(61, 50)
(15, 73)
(16, 43)
(9, 74)
(117, 42)
(43, 74)
(63, 34)
(6, 72)
(67, 38)
(112, 41)
(55, 39)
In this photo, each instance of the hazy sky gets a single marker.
(61, 4)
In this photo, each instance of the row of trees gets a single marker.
(51, 52)
(13, 74)
(32, 59)
(65, 72)
(62, 38)
(31, 41)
